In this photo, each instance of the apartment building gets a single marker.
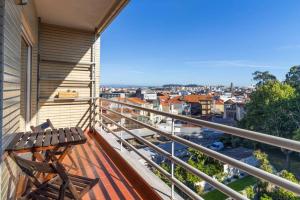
(50, 61)
(200, 104)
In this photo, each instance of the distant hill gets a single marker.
(148, 86)
(123, 86)
(180, 85)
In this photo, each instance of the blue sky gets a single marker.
(155, 42)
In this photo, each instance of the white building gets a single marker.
(146, 94)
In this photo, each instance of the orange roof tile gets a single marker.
(166, 101)
(136, 100)
(163, 98)
(194, 98)
(219, 102)
(175, 100)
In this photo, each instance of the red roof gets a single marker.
(163, 98)
(136, 100)
(168, 101)
(194, 98)
(219, 102)
(175, 100)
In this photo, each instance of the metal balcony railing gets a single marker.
(251, 135)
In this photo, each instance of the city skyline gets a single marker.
(164, 85)
(201, 42)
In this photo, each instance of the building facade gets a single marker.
(49, 49)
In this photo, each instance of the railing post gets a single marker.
(172, 162)
(121, 132)
(101, 112)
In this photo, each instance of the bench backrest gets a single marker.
(43, 126)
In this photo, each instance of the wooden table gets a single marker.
(49, 141)
(46, 140)
(47, 146)
(53, 142)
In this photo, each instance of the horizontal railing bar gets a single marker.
(251, 135)
(179, 184)
(281, 182)
(216, 184)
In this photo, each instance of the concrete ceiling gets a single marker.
(79, 14)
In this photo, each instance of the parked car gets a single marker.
(217, 146)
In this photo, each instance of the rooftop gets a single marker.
(193, 98)
(238, 153)
(136, 100)
(219, 102)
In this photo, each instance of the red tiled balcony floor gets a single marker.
(94, 162)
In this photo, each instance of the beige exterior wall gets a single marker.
(56, 43)
(219, 107)
(62, 52)
(206, 107)
(16, 20)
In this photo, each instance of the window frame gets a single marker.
(28, 79)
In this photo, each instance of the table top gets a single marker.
(30, 141)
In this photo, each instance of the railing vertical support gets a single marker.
(121, 132)
(101, 113)
(172, 162)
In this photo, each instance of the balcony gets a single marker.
(125, 172)
(94, 162)
(114, 108)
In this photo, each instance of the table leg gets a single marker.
(64, 154)
(43, 158)
(38, 156)
(59, 160)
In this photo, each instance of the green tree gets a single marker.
(263, 77)
(264, 164)
(296, 135)
(250, 192)
(282, 194)
(274, 109)
(293, 77)
(203, 163)
(264, 189)
(269, 110)
(266, 197)
(166, 167)
(263, 160)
